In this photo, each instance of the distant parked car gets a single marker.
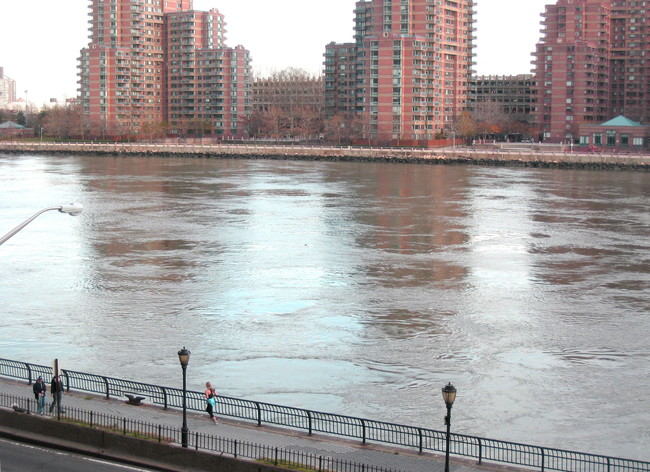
(527, 140)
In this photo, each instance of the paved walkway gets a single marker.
(389, 457)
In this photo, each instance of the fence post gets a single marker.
(309, 421)
(420, 441)
(480, 450)
(108, 397)
(29, 373)
(67, 379)
(259, 414)
(543, 458)
(363, 432)
(164, 390)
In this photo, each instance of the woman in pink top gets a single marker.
(211, 399)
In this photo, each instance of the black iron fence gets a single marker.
(199, 441)
(365, 430)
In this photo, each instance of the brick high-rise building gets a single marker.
(407, 75)
(7, 89)
(591, 65)
(630, 59)
(572, 67)
(208, 83)
(157, 63)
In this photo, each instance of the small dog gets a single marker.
(18, 409)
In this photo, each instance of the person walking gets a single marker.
(56, 390)
(40, 389)
(211, 401)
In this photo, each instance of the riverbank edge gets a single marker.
(385, 155)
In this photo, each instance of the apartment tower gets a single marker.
(407, 75)
(207, 83)
(143, 71)
(630, 59)
(592, 65)
(572, 67)
(7, 89)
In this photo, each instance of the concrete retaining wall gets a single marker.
(97, 442)
(471, 156)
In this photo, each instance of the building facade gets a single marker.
(287, 89)
(7, 89)
(408, 73)
(630, 60)
(341, 79)
(591, 65)
(207, 83)
(145, 70)
(515, 94)
(620, 133)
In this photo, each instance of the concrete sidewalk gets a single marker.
(400, 459)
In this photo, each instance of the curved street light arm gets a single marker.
(72, 209)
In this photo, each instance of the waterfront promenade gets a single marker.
(512, 154)
(397, 459)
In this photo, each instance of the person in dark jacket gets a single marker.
(39, 393)
(56, 390)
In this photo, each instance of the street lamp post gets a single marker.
(72, 209)
(449, 395)
(184, 357)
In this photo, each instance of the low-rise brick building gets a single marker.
(620, 133)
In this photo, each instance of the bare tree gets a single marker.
(466, 125)
(490, 117)
(288, 103)
(342, 127)
(63, 121)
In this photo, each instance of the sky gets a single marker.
(40, 40)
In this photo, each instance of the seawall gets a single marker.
(536, 157)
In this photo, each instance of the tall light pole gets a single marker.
(184, 357)
(449, 395)
(26, 108)
(72, 209)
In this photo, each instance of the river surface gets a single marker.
(353, 288)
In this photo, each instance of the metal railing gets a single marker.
(365, 430)
(196, 440)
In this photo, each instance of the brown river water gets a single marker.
(353, 288)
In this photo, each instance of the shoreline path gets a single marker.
(400, 459)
